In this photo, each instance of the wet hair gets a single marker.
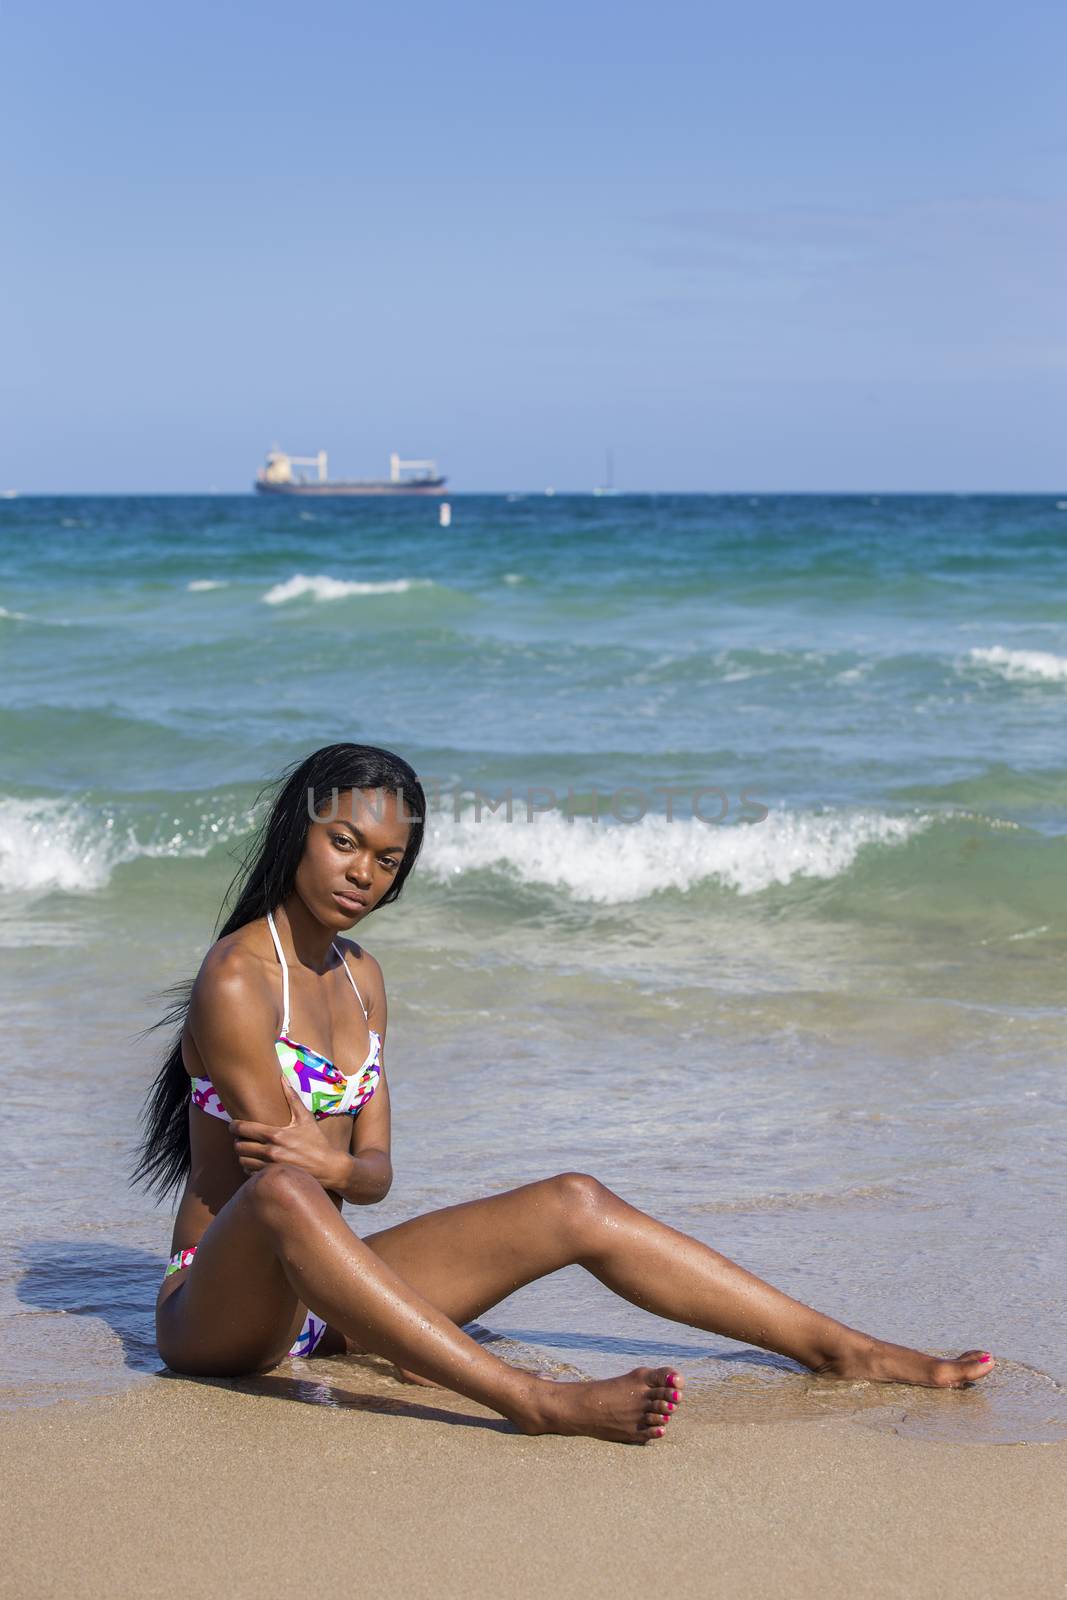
(265, 878)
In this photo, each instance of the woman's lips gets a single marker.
(350, 902)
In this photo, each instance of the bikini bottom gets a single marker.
(310, 1335)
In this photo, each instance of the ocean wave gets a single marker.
(74, 846)
(922, 868)
(610, 863)
(201, 585)
(997, 789)
(954, 870)
(1022, 666)
(322, 588)
(46, 844)
(24, 616)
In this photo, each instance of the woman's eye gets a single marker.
(340, 838)
(390, 866)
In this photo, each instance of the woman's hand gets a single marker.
(302, 1144)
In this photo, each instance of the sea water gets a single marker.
(745, 890)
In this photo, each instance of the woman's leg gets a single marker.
(280, 1242)
(467, 1257)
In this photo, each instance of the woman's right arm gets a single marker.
(232, 1021)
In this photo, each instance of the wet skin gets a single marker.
(264, 1197)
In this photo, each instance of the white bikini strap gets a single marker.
(351, 980)
(285, 969)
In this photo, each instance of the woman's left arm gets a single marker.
(367, 1171)
(368, 1175)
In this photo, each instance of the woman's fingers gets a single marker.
(265, 1132)
(253, 1130)
(255, 1150)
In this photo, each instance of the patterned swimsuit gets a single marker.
(325, 1091)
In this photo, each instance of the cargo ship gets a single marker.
(405, 477)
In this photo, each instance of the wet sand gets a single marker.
(209, 1488)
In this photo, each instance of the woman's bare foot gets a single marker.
(895, 1363)
(633, 1409)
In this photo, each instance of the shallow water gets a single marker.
(828, 1042)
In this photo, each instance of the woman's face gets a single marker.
(352, 855)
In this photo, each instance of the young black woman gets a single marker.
(269, 1137)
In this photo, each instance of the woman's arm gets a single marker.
(368, 1172)
(232, 1021)
(368, 1176)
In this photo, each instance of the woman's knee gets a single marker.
(584, 1200)
(279, 1192)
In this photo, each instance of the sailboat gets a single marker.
(608, 486)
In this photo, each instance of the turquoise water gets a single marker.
(816, 1015)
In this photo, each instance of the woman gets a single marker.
(269, 1136)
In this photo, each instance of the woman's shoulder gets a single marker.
(235, 966)
(365, 968)
(233, 1005)
(360, 959)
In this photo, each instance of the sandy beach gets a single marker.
(252, 1489)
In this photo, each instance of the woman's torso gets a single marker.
(323, 1014)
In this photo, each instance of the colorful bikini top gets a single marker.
(323, 1088)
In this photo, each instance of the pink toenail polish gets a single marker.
(674, 1395)
(669, 1406)
(660, 1432)
(985, 1358)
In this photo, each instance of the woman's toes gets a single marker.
(965, 1369)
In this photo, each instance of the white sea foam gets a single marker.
(1023, 666)
(323, 588)
(201, 585)
(41, 622)
(610, 863)
(49, 844)
(46, 844)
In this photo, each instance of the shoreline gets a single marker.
(246, 1487)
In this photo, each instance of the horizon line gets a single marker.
(12, 495)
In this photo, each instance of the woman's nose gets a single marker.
(359, 868)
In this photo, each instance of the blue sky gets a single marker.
(774, 247)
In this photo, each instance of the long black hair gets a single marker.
(263, 880)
